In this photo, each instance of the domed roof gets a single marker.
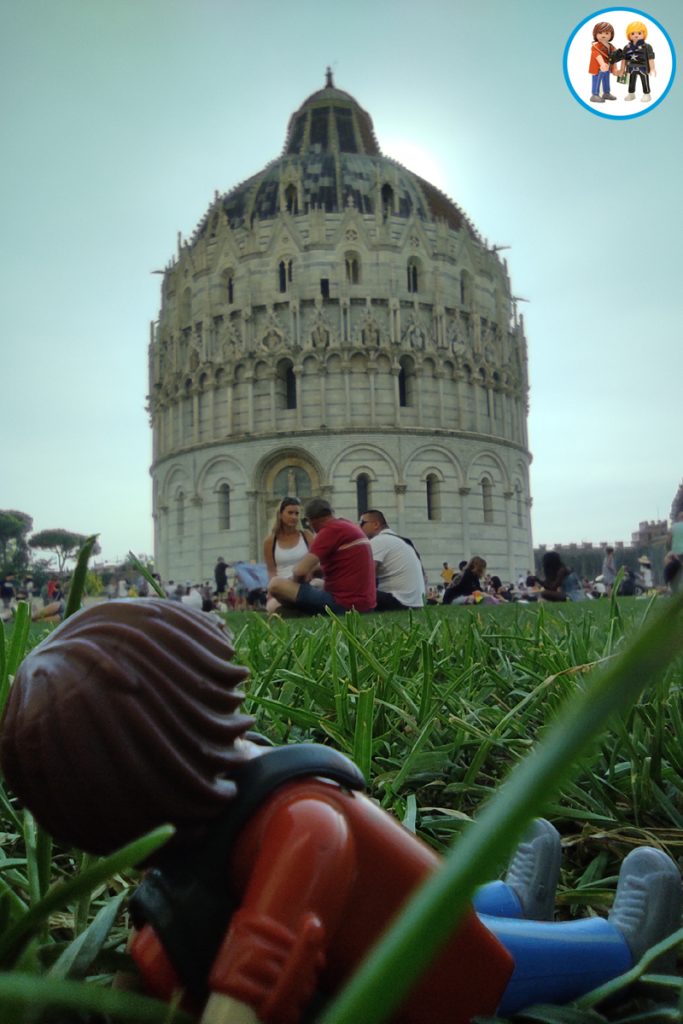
(331, 160)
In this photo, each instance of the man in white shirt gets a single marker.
(400, 579)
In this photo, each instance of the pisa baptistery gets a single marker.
(336, 326)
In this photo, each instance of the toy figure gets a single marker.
(637, 58)
(599, 66)
(282, 874)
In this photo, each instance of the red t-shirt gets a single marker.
(347, 564)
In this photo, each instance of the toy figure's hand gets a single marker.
(226, 1010)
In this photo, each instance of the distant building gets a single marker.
(336, 326)
(647, 534)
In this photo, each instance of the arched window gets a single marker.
(292, 481)
(180, 514)
(406, 383)
(402, 388)
(290, 388)
(224, 507)
(352, 268)
(230, 285)
(362, 493)
(291, 199)
(487, 499)
(433, 486)
(387, 201)
(284, 272)
(413, 273)
(285, 385)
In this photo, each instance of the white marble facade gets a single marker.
(336, 326)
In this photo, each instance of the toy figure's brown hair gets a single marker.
(602, 26)
(123, 719)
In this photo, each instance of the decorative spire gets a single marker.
(329, 84)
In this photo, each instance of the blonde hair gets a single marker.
(636, 26)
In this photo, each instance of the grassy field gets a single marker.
(437, 707)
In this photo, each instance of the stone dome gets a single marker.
(332, 157)
(335, 325)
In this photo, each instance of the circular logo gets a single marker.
(619, 63)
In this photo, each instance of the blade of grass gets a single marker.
(30, 991)
(62, 893)
(78, 956)
(144, 571)
(399, 959)
(78, 577)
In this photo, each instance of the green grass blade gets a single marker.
(77, 958)
(11, 657)
(63, 893)
(144, 571)
(31, 992)
(405, 952)
(362, 738)
(78, 577)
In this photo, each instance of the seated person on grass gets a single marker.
(343, 553)
(400, 580)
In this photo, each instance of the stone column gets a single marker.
(195, 414)
(249, 380)
(372, 377)
(197, 503)
(400, 491)
(442, 411)
(397, 398)
(273, 414)
(229, 426)
(298, 383)
(463, 492)
(508, 495)
(252, 519)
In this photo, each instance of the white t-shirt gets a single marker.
(399, 571)
(286, 558)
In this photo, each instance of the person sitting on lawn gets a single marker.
(342, 552)
(285, 545)
(400, 580)
(466, 582)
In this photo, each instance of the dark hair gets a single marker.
(376, 514)
(552, 563)
(124, 718)
(288, 501)
(318, 508)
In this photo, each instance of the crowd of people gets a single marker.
(314, 560)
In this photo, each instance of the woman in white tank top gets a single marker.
(286, 544)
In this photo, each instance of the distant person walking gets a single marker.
(220, 575)
(609, 570)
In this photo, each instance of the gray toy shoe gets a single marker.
(534, 870)
(647, 904)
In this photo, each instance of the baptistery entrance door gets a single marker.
(289, 476)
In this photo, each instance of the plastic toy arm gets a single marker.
(298, 888)
(226, 1010)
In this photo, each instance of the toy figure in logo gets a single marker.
(281, 874)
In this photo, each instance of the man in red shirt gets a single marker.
(342, 552)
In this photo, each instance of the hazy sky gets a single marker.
(121, 117)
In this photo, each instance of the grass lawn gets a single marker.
(436, 707)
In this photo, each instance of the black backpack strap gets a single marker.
(187, 899)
